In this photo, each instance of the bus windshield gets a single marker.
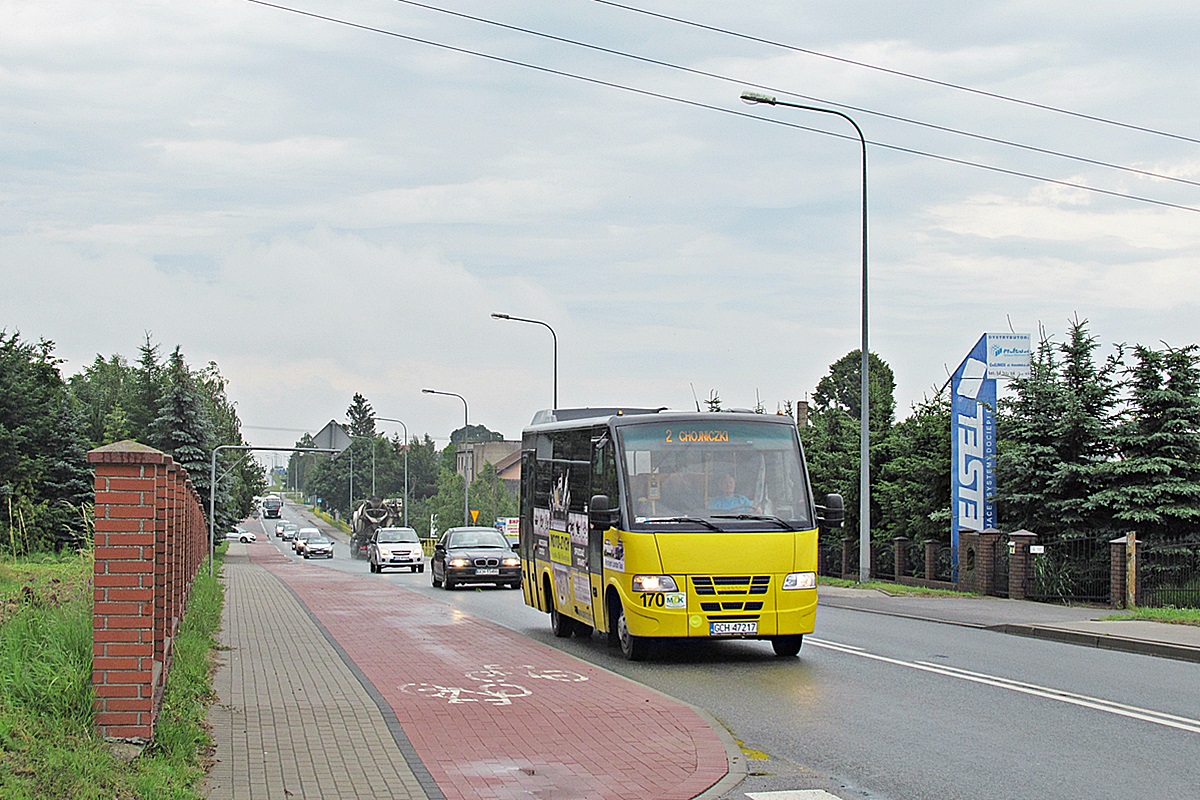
(712, 475)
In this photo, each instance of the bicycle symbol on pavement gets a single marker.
(492, 684)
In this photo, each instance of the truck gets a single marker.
(370, 516)
(272, 507)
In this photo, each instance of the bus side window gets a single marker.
(604, 469)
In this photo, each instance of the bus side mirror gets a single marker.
(833, 513)
(601, 511)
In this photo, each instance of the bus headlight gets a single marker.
(800, 580)
(654, 583)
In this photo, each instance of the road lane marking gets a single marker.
(1060, 695)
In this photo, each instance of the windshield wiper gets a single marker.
(695, 520)
(766, 517)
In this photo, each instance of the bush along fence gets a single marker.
(1119, 573)
(151, 539)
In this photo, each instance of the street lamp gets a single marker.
(466, 435)
(401, 424)
(552, 334)
(864, 464)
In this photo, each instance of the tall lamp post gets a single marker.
(864, 464)
(552, 334)
(466, 435)
(401, 424)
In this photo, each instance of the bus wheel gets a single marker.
(786, 646)
(632, 647)
(562, 625)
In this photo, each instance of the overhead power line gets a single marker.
(899, 73)
(709, 107)
(742, 82)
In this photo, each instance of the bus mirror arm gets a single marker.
(833, 513)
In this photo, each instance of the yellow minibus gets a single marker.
(651, 525)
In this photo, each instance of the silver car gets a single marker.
(318, 546)
(396, 547)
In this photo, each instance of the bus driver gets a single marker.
(727, 500)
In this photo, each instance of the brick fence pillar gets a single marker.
(1019, 563)
(1121, 571)
(931, 552)
(125, 650)
(977, 561)
(900, 559)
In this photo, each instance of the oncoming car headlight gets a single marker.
(800, 580)
(654, 583)
(459, 562)
(511, 561)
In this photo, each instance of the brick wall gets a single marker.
(151, 538)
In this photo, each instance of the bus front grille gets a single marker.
(730, 585)
(717, 607)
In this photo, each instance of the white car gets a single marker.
(396, 547)
(245, 537)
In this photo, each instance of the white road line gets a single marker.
(1084, 701)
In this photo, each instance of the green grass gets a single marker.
(49, 748)
(341, 525)
(890, 588)
(1175, 616)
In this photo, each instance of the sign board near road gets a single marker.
(1008, 355)
(973, 430)
(332, 437)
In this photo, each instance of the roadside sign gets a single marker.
(332, 437)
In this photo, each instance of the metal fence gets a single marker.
(883, 561)
(837, 557)
(1064, 571)
(1070, 571)
(1169, 574)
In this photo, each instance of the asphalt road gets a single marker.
(901, 709)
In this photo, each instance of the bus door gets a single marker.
(568, 520)
(604, 482)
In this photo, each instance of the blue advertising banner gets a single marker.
(973, 446)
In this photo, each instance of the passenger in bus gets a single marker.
(727, 499)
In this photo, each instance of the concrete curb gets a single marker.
(1102, 641)
(918, 617)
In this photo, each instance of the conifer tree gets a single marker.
(1085, 437)
(181, 429)
(1154, 485)
(116, 425)
(361, 417)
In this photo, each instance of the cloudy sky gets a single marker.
(331, 206)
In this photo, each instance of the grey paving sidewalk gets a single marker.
(293, 720)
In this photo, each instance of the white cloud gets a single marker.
(325, 211)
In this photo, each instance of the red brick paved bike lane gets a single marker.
(493, 715)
